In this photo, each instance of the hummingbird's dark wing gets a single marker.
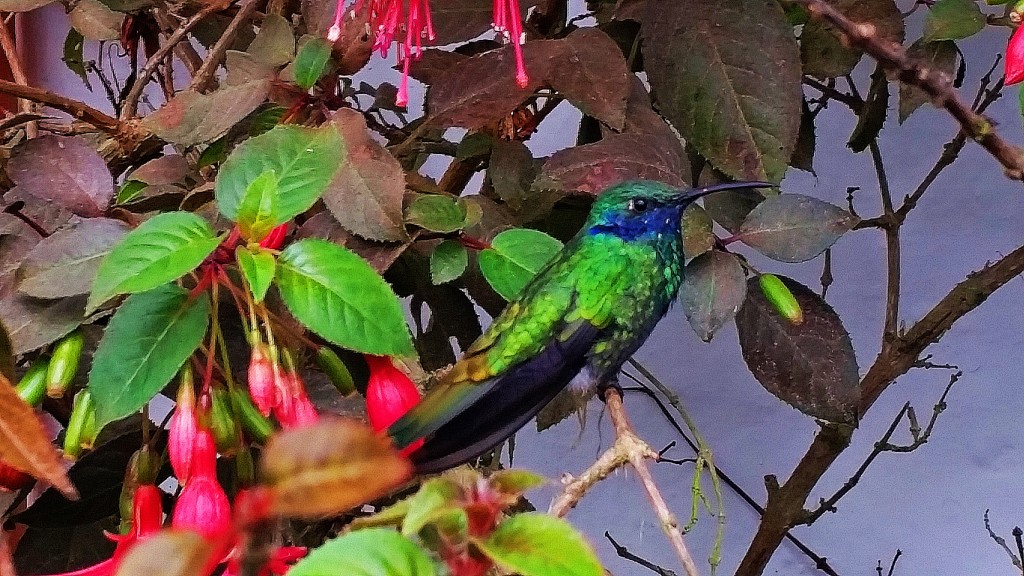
(495, 409)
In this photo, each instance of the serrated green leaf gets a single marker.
(258, 267)
(257, 213)
(436, 213)
(74, 59)
(162, 249)
(340, 297)
(369, 552)
(514, 257)
(148, 339)
(535, 544)
(448, 261)
(514, 482)
(304, 159)
(953, 20)
(128, 191)
(434, 496)
(311, 61)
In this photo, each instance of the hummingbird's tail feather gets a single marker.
(496, 407)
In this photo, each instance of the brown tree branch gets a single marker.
(202, 77)
(785, 507)
(628, 447)
(79, 110)
(18, 73)
(937, 85)
(131, 101)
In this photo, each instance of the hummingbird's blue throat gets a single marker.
(659, 222)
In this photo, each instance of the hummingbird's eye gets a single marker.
(637, 205)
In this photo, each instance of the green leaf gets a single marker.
(304, 159)
(713, 289)
(514, 257)
(435, 496)
(536, 544)
(191, 118)
(514, 482)
(448, 261)
(369, 552)
(340, 297)
(726, 73)
(257, 213)
(148, 339)
(953, 20)
(128, 191)
(162, 249)
(74, 45)
(311, 61)
(793, 227)
(436, 213)
(258, 267)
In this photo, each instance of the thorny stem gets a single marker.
(628, 447)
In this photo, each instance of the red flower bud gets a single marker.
(12, 479)
(261, 379)
(203, 507)
(204, 455)
(295, 409)
(147, 510)
(182, 430)
(275, 238)
(389, 395)
(1015, 58)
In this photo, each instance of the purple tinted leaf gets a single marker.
(65, 263)
(586, 67)
(380, 255)
(591, 168)
(713, 289)
(461, 20)
(191, 118)
(793, 227)
(64, 170)
(727, 75)
(34, 323)
(811, 365)
(169, 169)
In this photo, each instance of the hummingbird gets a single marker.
(574, 324)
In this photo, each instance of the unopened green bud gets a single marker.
(335, 370)
(245, 467)
(257, 426)
(142, 469)
(222, 421)
(779, 295)
(81, 431)
(64, 364)
(32, 385)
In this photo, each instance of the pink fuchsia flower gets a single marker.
(261, 378)
(509, 23)
(181, 435)
(389, 395)
(203, 505)
(1015, 57)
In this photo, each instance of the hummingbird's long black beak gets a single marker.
(691, 194)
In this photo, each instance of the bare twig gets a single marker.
(131, 101)
(18, 73)
(75, 108)
(202, 77)
(938, 86)
(1002, 543)
(624, 552)
(628, 447)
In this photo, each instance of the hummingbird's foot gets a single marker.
(604, 386)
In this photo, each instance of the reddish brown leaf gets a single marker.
(586, 67)
(169, 169)
(811, 365)
(591, 168)
(24, 443)
(330, 467)
(366, 192)
(64, 170)
(191, 118)
(380, 255)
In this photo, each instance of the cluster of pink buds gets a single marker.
(387, 27)
(277, 389)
